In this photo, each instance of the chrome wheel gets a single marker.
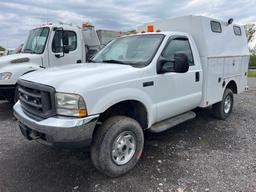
(123, 148)
(227, 104)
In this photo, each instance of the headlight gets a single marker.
(70, 105)
(5, 76)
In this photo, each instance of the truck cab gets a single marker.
(148, 81)
(50, 45)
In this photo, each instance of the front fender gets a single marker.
(114, 97)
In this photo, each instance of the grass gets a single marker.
(252, 74)
(253, 61)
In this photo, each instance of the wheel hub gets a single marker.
(124, 148)
(227, 104)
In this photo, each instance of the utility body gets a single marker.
(146, 81)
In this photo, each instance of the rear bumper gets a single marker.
(7, 92)
(57, 131)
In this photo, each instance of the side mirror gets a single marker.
(181, 64)
(178, 65)
(164, 65)
(65, 38)
(66, 49)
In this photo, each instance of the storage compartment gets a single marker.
(214, 80)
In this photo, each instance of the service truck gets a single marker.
(147, 81)
(51, 45)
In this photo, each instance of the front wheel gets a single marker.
(117, 146)
(223, 109)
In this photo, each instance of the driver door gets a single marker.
(178, 92)
(56, 55)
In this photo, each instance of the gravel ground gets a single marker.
(204, 154)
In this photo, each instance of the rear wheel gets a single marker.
(223, 109)
(117, 146)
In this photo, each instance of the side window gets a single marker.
(237, 30)
(216, 27)
(57, 44)
(179, 45)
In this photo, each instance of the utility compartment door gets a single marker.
(244, 73)
(214, 78)
(232, 66)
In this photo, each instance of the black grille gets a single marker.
(37, 101)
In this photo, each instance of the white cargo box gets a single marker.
(105, 36)
(222, 47)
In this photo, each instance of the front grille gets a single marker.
(37, 101)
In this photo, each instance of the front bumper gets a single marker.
(57, 131)
(7, 92)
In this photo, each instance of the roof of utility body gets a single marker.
(209, 43)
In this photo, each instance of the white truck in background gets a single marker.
(146, 81)
(51, 45)
(9, 51)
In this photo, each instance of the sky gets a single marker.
(17, 17)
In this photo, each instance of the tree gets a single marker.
(2, 49)
(250, 31)
(251, 36)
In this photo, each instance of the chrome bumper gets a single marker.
(56, 130)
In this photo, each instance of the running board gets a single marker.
(172, 122)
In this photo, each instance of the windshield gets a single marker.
(36, 40)
(131, 50)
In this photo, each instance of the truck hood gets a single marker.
(86, 76)
(19, 59)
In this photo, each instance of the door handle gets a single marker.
(149, 83)
(197, 76)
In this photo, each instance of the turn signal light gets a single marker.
(86, 25)
(82, 113)
(150, 28)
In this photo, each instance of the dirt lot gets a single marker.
(204, 154)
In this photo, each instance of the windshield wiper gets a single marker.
(113, 61)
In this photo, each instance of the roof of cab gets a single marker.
(166, 33)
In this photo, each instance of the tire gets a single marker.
(222, 110)
(111, 132)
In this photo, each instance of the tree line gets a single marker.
(251, 36)
(2, 49)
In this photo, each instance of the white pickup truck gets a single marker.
(146, 81)
(51, 45)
